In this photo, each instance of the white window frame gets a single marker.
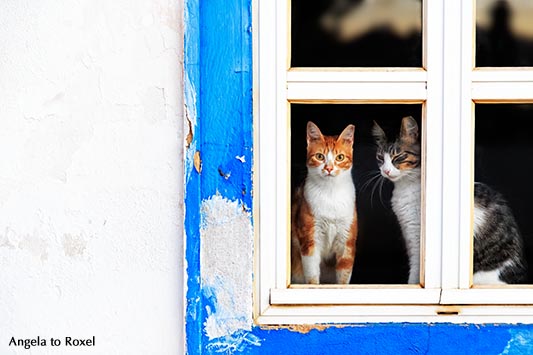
(447, 86)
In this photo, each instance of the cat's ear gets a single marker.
(313, 133)
(347, 136)
(409, 130)
(379, 135)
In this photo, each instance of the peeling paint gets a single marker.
(226, 253)
(6, 239)
(194, 316)
(223, 174)
(521, 342)
(38, 242)
(90, 132)
(190, 135)
(190, 87)
(73, 245)
(35, 245)
(234, 343)
(197, 162)
(219, 225)
(302, 328)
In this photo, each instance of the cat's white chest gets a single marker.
(333, 207)
(332, 200)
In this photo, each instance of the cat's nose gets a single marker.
(386, 171)
(328, 168)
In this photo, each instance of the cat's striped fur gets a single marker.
(498, 245)
(323, 216)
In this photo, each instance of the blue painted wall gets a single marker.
(218, 95)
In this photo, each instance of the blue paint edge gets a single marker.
(202, 48)
(218, 88)
(191, 63)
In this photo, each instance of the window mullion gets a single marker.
(432, 183)
(466, 194)
(282, 147)
(265, 109)
(451, 156)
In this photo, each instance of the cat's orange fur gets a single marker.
(324, 216)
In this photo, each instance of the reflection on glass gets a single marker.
(356, 33)
(382, 254)
(503, 227)
(504, 33)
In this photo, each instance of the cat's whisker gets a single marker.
(372, 184)
(369, 181)
(380, 192)
(376, 185)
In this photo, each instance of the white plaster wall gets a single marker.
(91, 174)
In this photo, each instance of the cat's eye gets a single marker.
(340, 157)
(400, 158)
(319, 156)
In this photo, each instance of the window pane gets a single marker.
(504, 33)
(381, 256)
(503, 152)
(356, 33)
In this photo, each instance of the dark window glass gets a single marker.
(356, 33)
(380, 253)
(503, 157)
(504, 33)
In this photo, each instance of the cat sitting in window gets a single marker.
(498, 245)
(324, 217)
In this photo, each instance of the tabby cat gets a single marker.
(324, 217)
(498, 245)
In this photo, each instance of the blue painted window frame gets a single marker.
(219, 126)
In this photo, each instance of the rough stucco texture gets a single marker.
(90, 174)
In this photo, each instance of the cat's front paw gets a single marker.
(313, 280)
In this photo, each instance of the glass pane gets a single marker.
(381, 255)
(356, 33)
(503, 227)
(504, 33)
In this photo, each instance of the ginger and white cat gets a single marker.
(324, 217)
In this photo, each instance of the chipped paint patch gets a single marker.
(236, 342)
(521, 342)
(302, 328)
(225, 263)
(197, 162)
(35, 240)
(73, 245)
(190, 135)
(35, 245)
(191, 121)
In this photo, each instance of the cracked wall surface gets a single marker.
(91, 177)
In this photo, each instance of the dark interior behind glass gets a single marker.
(503, 160)
(380, 256)
(356, 33)
(504, 34)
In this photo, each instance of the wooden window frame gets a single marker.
(447, 86)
